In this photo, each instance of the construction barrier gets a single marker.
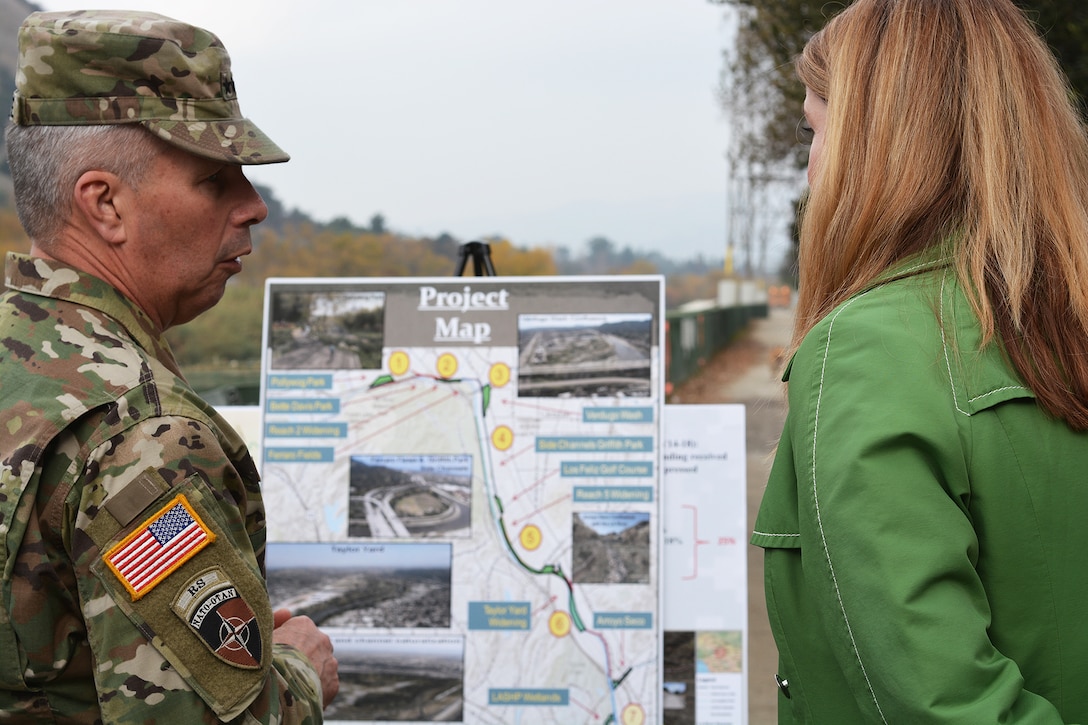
(693, 336)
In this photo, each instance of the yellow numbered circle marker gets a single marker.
(398, 363)
(559, 624)
(633, 715)
(502, 438)
(499, 375)
(530, 537)
(447, 365)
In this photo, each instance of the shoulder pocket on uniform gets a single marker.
(173, 570)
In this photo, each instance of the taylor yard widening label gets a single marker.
(212, 607)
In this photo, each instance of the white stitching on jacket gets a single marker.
(948, 363)
(944, 346)
(819, 518)
(999, 390)
(762, 533)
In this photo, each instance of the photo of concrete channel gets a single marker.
(326, 330)
(410, 496)
(584, 355)
(611, 547)
(397, 679)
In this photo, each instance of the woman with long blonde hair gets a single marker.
(923, 523)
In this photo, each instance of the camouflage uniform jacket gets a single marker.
(131, 523)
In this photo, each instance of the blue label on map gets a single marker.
(594, 444)
(306, 430)
(623, 620)
(499, 616)
(302, 405)
(527, 696)
(617, 415)
(607, 469)
(298, 455)
(300, 382)
(607, 494)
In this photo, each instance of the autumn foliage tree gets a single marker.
(511, 261)
(230, 333)
(12, 236)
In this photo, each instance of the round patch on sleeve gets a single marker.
(214, 609)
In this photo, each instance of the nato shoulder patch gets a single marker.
(173, 535)
(215, 610)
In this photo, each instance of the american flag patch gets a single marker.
(172, 536)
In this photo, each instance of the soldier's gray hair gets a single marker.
(46, 162)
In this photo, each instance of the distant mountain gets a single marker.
(604, 258)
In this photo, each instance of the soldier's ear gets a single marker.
(98, 199)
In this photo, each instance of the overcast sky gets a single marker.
(548, 123)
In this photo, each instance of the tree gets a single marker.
(511, 261)
(763, 99)
(601, 255)
(758, 79)
(1064, 26)
(763, 96)
(758, 85)
(12, 236)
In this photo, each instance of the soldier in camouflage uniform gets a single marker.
(131, 518)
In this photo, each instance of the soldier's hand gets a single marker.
(302, 634)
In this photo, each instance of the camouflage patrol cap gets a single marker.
(92, 67)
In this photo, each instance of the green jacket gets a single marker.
(131, 527)
(924, 525)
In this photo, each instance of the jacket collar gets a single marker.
(936, 257)
(56, 280)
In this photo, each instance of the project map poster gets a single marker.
(462, 479)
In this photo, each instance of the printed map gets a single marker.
(462, 486)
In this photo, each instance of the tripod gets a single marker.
(481, 259)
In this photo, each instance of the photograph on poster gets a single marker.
(326, 330)
(362, 585)
(719, 652)
(410, 496)
(678, 678)
(611, 547)
(396, 679)
(584, 355)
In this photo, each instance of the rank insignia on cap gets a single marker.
(158, 546)
(214, 609)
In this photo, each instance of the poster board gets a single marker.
(462, 479)
(705, 566)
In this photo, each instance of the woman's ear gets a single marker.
(97, 199)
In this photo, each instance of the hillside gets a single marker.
(291, 243)
(12, 13)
